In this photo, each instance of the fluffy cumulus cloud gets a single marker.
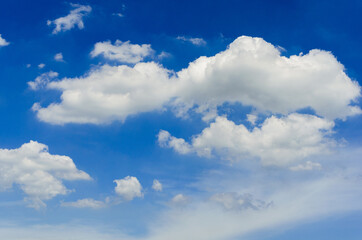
(251, 71)
(124, 52)
(195, 41)
(157, 185)
(278, 141)
(3, 42)
(74, 18)
(128, 188)
(109, 93)
(85, 203)
(38, 173)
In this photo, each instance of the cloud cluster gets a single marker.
(3, 42)
(123, 52)
(37, 172)
(74, 18)
(278, 141)
(128, 188)
(251, 72)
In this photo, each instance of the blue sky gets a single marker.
(207, 120)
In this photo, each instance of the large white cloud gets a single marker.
(3, 42)
(109, 93)
(123, 52)
(74, 18)
(251, 71)
(128, 188)
(279, 141)
(37, 172)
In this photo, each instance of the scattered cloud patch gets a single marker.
(58, 57)
(279, 141)
(85, 203)
(178, 144)
(38, 173)
(41, 65)
(194, 41)
(3, 42)
(123, 52)
(74, 18)
(180, 200)
(163, 55)
(307, 166)
(42, 80)
(128, 188)
(252, 118)
(234, 201)
(157, 186)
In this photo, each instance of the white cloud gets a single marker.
(74, 18)
(157, 186)
(3, 42)
(59, 57)
(85, 203)
(180, 200)
(163, 55)
(307, 166)
(41, 65)
(124, 52)
(42, 80)
(251, 71)
(178, 144)
(37, 172)
(109, 93)
(252, 118)
(279, 141)
(194, 41)
(128, 188)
